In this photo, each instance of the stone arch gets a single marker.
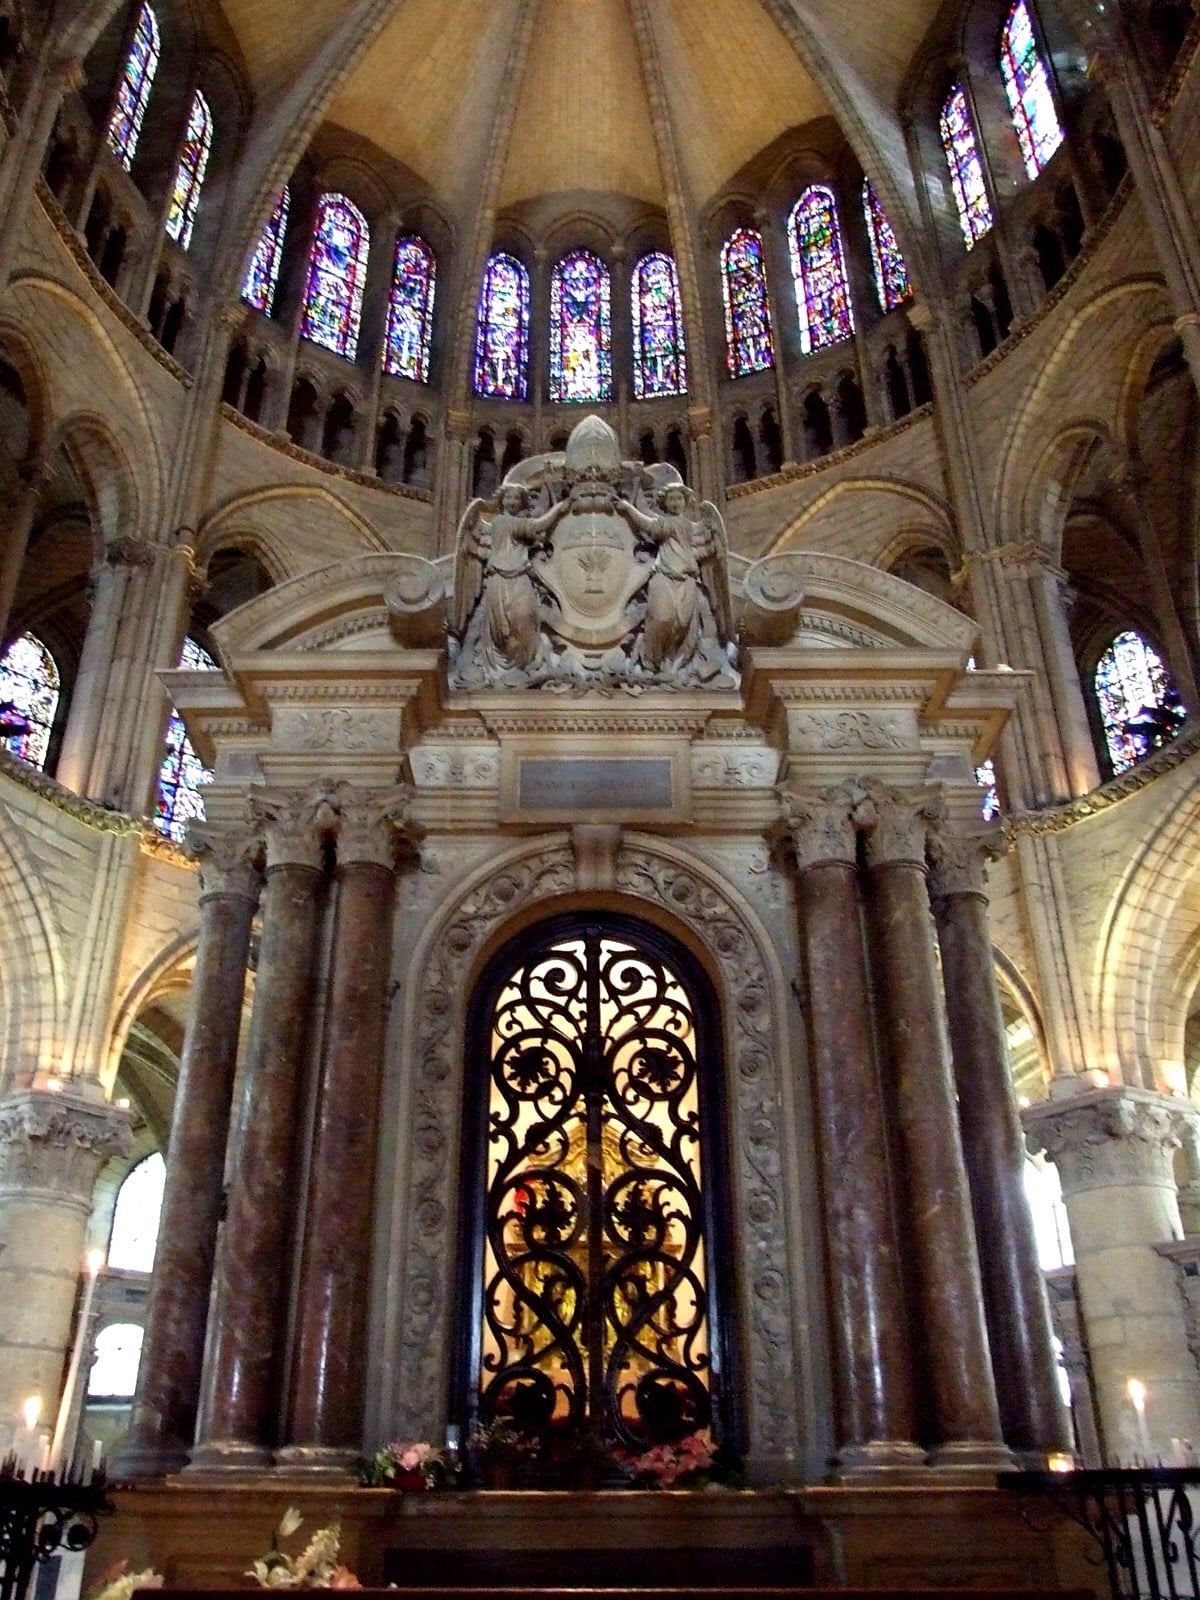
(264, 521)
(868, 510)
(31, 975)
(661, 883)
(106, 475)
(1052, 483)
(25, 361)
(1137, 375)
(169, 968)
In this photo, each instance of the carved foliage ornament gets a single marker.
(48, 1142)
(590, 571)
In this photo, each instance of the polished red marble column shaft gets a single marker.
(940, 1232)
(1018, 1315)
(329, 1354)
(876, 1413)
(163, 1419)
(241, 1388)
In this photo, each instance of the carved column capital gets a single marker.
(130, 550)
(57, 1143)
(896, 823)
(1110, 1138)
(959, 861)
(374, 825)
(293, 823)
(228, 856)
(820, 827)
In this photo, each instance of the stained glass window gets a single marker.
(1027, 85)
(29, 691)
(259, 288)
(189, 175)
(410, 318)
(985, 777)
(891, 274)
(966, 169)
(659, 359)
(502, 331)
(819, 270)
(580, 329)
(747, 315)
(337, 275)
(1139, 707)
(182, 775)
(133, 92)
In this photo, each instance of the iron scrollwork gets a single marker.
(40, 1517)
(595, 1306)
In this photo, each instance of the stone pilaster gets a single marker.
(1114, 1150)
(873, 1365)
(994, 1148)
(52, 1147)
(919, 1089)
(325, 1422)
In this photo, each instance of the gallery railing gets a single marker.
(40, 1517)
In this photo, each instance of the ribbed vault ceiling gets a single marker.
(429, 87)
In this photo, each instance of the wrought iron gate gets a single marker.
(591, 1277)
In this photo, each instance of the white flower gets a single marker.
(288, 1523)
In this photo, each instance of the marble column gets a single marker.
(1114, 1149)
(947, 1288)
(1018, 1315)
(325, 1420)
(241, 1393)
(872, 1351)
(162, 1424)
(52, 1146)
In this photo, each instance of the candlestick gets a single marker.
(66, 1408)
(1136, 1390)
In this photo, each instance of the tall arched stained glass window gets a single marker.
(1027, 85)
(189, 175)
(133, 92)
(502, 331)
(891, 274)
(819, 270)
(182, 775)
(29, 691)
(259, 287)
(1139, 708)
(410, 317)
(337, 275)
(966, 169)
(580, 329)
(747, 316)
(659, 359)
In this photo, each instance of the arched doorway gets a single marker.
(591, 1281)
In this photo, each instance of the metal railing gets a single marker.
(40, 1517)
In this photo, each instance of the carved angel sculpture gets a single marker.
(689, 566)
(494, 561)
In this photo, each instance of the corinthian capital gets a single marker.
(1110, 1138)
(294, 824)
(58, 1142)
(896, 823)
(374, 825)
(820, 827)
(228, 855)
(959, 860)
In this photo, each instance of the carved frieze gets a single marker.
(340, 730)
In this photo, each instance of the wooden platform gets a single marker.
(917, 1539)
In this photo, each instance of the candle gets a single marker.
(1136, 1390)
(26, 1445)
(97, 1456)
(66, 1409)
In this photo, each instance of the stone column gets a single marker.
(1114, 1150)
(52, 1146)
(876, 1407)
(329, 1355)
(21, 518)
(163, 1420)
(21, 164)
(1018, 1316)
(242, 1369)
(948, 1290)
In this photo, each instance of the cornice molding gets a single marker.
(1055, 819)
(97, 817)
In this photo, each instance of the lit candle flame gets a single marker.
(1136, 1390)
(95, 1261)
(32, 1411)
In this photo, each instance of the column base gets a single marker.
(143, 1463)
(228, 1458)
(897, 1460)
(319, 1461)
(974, 1458)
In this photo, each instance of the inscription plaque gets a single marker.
(598, 783)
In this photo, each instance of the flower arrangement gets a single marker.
(414, 1466)
(496, 1449)
(316, 1567)
(118, 1583)
(686, 1464)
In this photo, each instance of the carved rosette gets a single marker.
(896, 825)
(56, 1143)
(426, 1288)
(821, 828)
(959, 861)
(228, 856)
(1111, 1138)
